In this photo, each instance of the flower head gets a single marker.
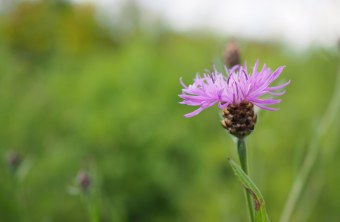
(14, 160)
(84, 180)
(239, 86)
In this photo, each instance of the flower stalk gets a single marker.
(242, 154)
(89, 195)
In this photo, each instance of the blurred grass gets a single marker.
(112, 106)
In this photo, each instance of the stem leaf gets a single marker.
(259, 204)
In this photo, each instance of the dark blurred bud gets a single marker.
(84, 180)
(232, 54)
(13, 160)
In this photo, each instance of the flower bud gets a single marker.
(84, 181)
(13, 160)
(232, 55)
(239, 119)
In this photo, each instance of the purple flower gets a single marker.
(238, 87)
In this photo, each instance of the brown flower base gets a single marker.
(239, 119)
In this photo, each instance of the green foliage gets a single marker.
(89, 102)
(35, 30)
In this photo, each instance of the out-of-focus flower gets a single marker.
(13, 160)
(232, 55)
(84, 180)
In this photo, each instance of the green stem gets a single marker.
(94, 217)
(242, 154)
(91, 207)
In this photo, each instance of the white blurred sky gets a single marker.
(300, 23)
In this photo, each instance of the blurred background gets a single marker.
(91, 128)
